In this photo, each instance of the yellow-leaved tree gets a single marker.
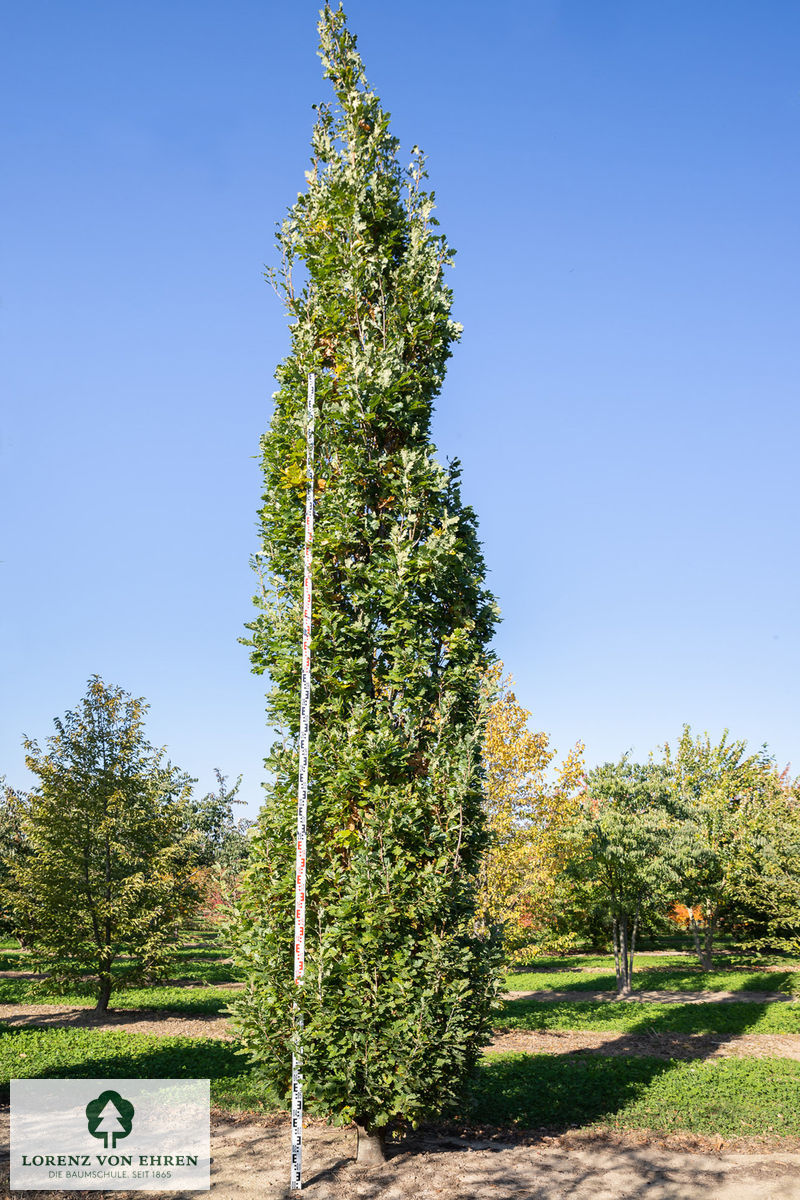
(530, 802)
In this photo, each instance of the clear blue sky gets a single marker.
(621, 182)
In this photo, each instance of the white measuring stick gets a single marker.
(295, 1183)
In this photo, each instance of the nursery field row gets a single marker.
(732, 1098)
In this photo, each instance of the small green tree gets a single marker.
(13, 847)
(725, 793)
(224, 840)
(629, 850)
(399, 983)
(765, 868)
(110, 873)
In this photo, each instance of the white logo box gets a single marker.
(151, 1135)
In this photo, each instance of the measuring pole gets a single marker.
(295, 1183)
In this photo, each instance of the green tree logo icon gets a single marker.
(109, 1116)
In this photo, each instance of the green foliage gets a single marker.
(399, 986)
(745, 829)
(110, 868)
(224, 839)
(13, 848)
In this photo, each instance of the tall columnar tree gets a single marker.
(399, 981)
(109, 871)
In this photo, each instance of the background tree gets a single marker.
(13, 847)
(723, 790)
(399, 984)
(629, 851)
(764, 872)
(110, 868)
(529, 807)
(224, 840)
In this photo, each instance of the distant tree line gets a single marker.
(705, 838)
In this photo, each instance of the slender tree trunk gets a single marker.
(104, 994)
(695, 928)
(634, 931)
(704, 948)
(624, 986)
(371, 1147)
(708, 941)
(617, 964)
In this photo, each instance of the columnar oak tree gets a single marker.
(399, 981)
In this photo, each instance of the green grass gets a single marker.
(662, 978)
(163, 998)
(732, 1097)
(206, 972)
(575, 963)
(623, 1016)
(579, 962)
(88, 1054)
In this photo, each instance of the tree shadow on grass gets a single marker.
(554, 1092)
(712, 1017)
(81, 1054)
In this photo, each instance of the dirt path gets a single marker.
(650, 1045)
(556, 1041)
(132, 1020)
(250, 1162)
(659, 997)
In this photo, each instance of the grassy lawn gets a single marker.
(730, 1097)
(625, 1017)
(733, 1097)
(669, 978)
(204, 999)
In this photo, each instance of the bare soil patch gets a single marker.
(133, 1020)
(250, 1162)
(655, 997)
(650, 1045)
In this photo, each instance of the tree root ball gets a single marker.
(371, 1147)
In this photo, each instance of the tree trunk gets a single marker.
(634, 931)
(617, 963)
(695, 928)
(708, 942)
(104, 994)
(623, 981)
(704, 949)
(371, 1151)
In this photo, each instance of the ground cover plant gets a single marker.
(732, 1097)
(625, 1016)
(161, 997)
(669, 978)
